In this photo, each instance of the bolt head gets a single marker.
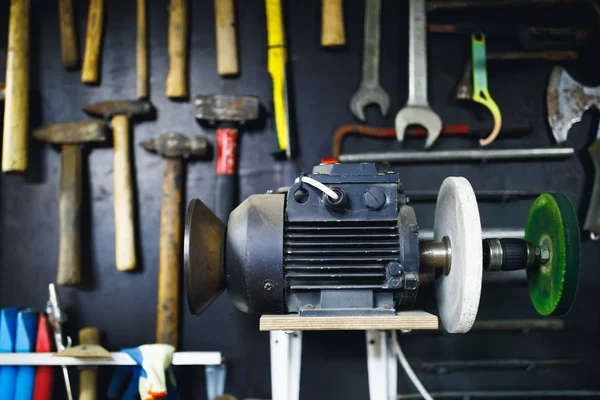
(395, 282)
(268, 285)
(374, 198)
(394, 269)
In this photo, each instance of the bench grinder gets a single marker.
(345, 241)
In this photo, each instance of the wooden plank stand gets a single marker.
(403, 320)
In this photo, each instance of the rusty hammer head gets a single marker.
(177, 145)
(227, 108)
(128, 108)
(567, 100)
(72, 132)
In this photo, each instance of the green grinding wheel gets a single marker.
(552, 222)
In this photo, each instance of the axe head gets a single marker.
(567, 100)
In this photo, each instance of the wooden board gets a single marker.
(404, 320)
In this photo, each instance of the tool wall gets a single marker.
(321, 83)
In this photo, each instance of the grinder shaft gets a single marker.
(498, 255)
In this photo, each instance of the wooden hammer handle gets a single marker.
(69, 254)
(88, 377)
(16, 102)
(592, 218)
(227, 54)
(123, 196)
(142, 50)
(167, 317)
(68, 38)
(177, 85)
(333, 33)
(90, 72)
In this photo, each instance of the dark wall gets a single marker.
(123, 305)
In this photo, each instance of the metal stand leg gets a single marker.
(382, 366)
(215, 380)
(286, 358)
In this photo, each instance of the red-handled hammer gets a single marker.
(229, 112)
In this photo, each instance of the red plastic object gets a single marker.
(226, 151)
(326, 161)
(44, 376)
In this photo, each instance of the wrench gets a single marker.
(370, 91)
(417, 110)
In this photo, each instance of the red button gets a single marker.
(325, 161)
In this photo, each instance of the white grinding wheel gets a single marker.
(457, 217)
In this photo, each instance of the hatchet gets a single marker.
(567, 100)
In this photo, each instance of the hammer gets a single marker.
(90, 72)
(16, 102)
(230, 111)
(177, 83)
(88, 377)
(567, 100)
(142, 51)
(174, 148)
(333, 33)
(68, 37)
(69, 135)
(225, 25)
(119, 112)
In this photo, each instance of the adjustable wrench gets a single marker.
(417, 110)
(370, 91)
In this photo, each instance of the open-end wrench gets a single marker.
(417, 110)
(370, 91)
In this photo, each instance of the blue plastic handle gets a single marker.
(8, 328)
(25, 343)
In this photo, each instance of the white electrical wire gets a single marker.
(409, 371)
(318, 185)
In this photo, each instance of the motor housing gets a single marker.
(305, 252)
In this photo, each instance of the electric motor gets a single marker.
(344, 241)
